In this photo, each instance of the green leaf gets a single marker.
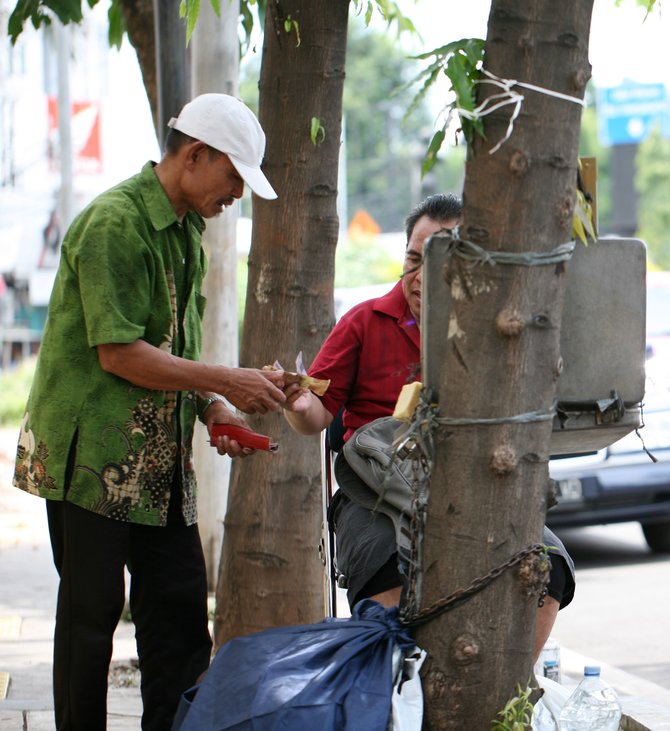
(461, 82)
(117, 25)
(431, 154)
(291, 24)
(582, 219)
(421, 94)
(67, 11)
(462, 78)
(461, 62)
(24, 9)
(316, 131)
(216, 5)
(189, 9)
(389, 11)
(247, 20)
(368, 14)
(443, 51)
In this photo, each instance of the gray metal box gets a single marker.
(603, 341)
(603, 345)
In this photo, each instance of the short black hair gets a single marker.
(174, 140)
(438, 207)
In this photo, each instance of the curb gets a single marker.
(646, 706)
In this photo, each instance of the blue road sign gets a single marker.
(628, 113)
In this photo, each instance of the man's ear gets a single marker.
(193, 152)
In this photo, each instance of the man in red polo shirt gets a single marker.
(375, 348)
(373, 351)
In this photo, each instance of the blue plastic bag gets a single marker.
(336, 675)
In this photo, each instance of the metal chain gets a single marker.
(459, 596)
(421, 469)
(417, 445)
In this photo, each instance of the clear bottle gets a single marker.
(549, 661)
(593, 706)
(552, 670)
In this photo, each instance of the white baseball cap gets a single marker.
(228, 125)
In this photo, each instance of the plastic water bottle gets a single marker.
(593, 706)
(552, 670)
(549, 662)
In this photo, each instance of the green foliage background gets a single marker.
(652, 182)
(14, 387)
(364, 260)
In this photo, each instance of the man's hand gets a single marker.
(304, 411)
(254, 391)
(297, 399)
(220, 413)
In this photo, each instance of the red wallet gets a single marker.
(244, 437)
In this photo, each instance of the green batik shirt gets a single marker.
(129, 270)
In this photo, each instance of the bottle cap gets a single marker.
(591, 670)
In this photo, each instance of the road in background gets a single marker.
(620, 610)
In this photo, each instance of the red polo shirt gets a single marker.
(372, 352)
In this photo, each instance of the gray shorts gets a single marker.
(365, 547)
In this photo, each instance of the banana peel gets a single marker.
(319, 386)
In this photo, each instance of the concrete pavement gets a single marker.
(28, 584)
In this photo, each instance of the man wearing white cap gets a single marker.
(106, 436)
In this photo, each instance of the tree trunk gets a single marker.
(271, 573)
(173, 63)
(216, 63)
(498, 356)
(139, 18)
(160, 34)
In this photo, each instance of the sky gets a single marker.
(622, 44)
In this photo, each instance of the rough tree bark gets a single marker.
(270, 571)
(501, 358)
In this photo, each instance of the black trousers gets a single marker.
(168, 604)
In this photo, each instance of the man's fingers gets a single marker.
(232, 448)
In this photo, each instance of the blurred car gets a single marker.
(623, 482)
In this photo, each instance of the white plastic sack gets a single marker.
(548, 708)
(407, 699)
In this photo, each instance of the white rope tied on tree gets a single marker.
(508, 96)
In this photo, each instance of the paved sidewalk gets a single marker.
(28, 583)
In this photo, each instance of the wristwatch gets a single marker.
(205, 403)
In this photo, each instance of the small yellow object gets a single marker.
(4, 684)
(407, 401)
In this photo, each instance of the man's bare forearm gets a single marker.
(248, 389)
(308, 418)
